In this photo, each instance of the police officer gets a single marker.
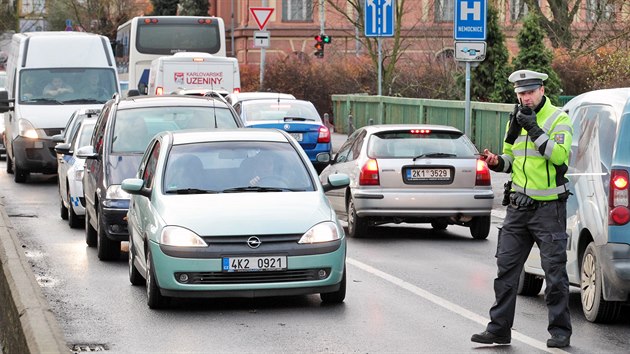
(536, 153)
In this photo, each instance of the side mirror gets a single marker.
(133, 92)
(5, 102)
(142, 88)
(86, 152)
(57, 138)
(336, 181)
(135, 186)
(63, 149)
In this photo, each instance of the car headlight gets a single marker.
(115, 191)
(324, 232)
(180, 237)
(26, 129)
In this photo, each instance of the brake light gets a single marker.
(482, 177)
(324, 135)
(618, 198)
(159, 91)
(237, 90)
(150, 20)
(369, 174)
(420, 131)
(204, 21)
(198, 60)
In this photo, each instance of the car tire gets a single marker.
(439, 225)
(357, 226)
(595, 308)
(63, 211)
(336, 297)
(73, 219)
(90, 232)
(155, 299)
(529, 284)
(107, 250)
(9, 165)
(480, 227)
(135, 278)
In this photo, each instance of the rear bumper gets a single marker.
(615, 265)
(423, 203)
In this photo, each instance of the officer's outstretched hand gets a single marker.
(526, 118)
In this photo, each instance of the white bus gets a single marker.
(142, 39)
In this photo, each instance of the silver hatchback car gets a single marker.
(412, 173)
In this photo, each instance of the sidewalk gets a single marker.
(498, 179)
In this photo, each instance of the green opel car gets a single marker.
(233, 213)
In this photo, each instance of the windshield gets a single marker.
(66, 86)
(235, 167)
(258, 110)
(134, 128)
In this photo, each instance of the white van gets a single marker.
(49, 76)
(192, 70)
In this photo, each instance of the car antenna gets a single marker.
(214, 106)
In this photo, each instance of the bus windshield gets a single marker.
(66, 86)
(171, 38)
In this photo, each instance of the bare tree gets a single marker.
(584, 25)
(392, 48)
(97, 16)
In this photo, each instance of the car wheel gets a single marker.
(108, 250)
(336, 297)
(357, 226)
(155, 300)
(595, 308)
(135, 278)
(480, 227)
(90, 232)
(439, 225)
(529, 284)
(19, 174)
(73, 219)
(63, 211)
(9, 165)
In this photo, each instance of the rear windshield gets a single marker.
(416, 143)
(258, 110)
(134, 128)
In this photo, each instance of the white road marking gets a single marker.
(447, 304)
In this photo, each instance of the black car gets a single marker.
(122, 133)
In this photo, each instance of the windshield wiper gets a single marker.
(84, 100)
(254, 189)
(434, 154)
(47, 100)
(191, 191)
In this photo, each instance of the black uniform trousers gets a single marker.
(545, 225)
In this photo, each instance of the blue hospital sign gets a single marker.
(470, 20)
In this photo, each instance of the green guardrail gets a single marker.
(488, 120)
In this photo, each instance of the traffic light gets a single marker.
(319, 46)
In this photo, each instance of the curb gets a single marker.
(28, 325)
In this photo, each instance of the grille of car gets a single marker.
(253, 277)
(52, 131)
(224, 241)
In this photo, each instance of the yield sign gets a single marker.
(261, 13)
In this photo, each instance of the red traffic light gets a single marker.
(319, 38)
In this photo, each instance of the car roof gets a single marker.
(389, 127)
(253, 134)
(617, 97)
(246, 96)
(170, 100)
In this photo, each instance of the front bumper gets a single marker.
(115, 223)
(302, 276)
(35, 155)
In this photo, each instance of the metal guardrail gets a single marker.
(488, 120)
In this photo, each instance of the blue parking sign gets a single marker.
(470, 20)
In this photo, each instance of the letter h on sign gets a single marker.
(470, 20)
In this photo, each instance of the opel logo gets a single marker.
(253, 242)
(287, 127)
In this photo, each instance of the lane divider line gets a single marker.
(448, 305)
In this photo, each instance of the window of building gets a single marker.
(297, 10)
(600, 10)
(444, 10)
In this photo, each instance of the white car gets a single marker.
(70, 173)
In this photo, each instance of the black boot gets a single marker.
(558, 341)
(486, 337)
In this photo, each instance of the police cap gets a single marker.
(527, 80)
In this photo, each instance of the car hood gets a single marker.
(246, 213)
(49, 116)
(120, 167)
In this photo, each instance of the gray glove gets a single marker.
(526, 118)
